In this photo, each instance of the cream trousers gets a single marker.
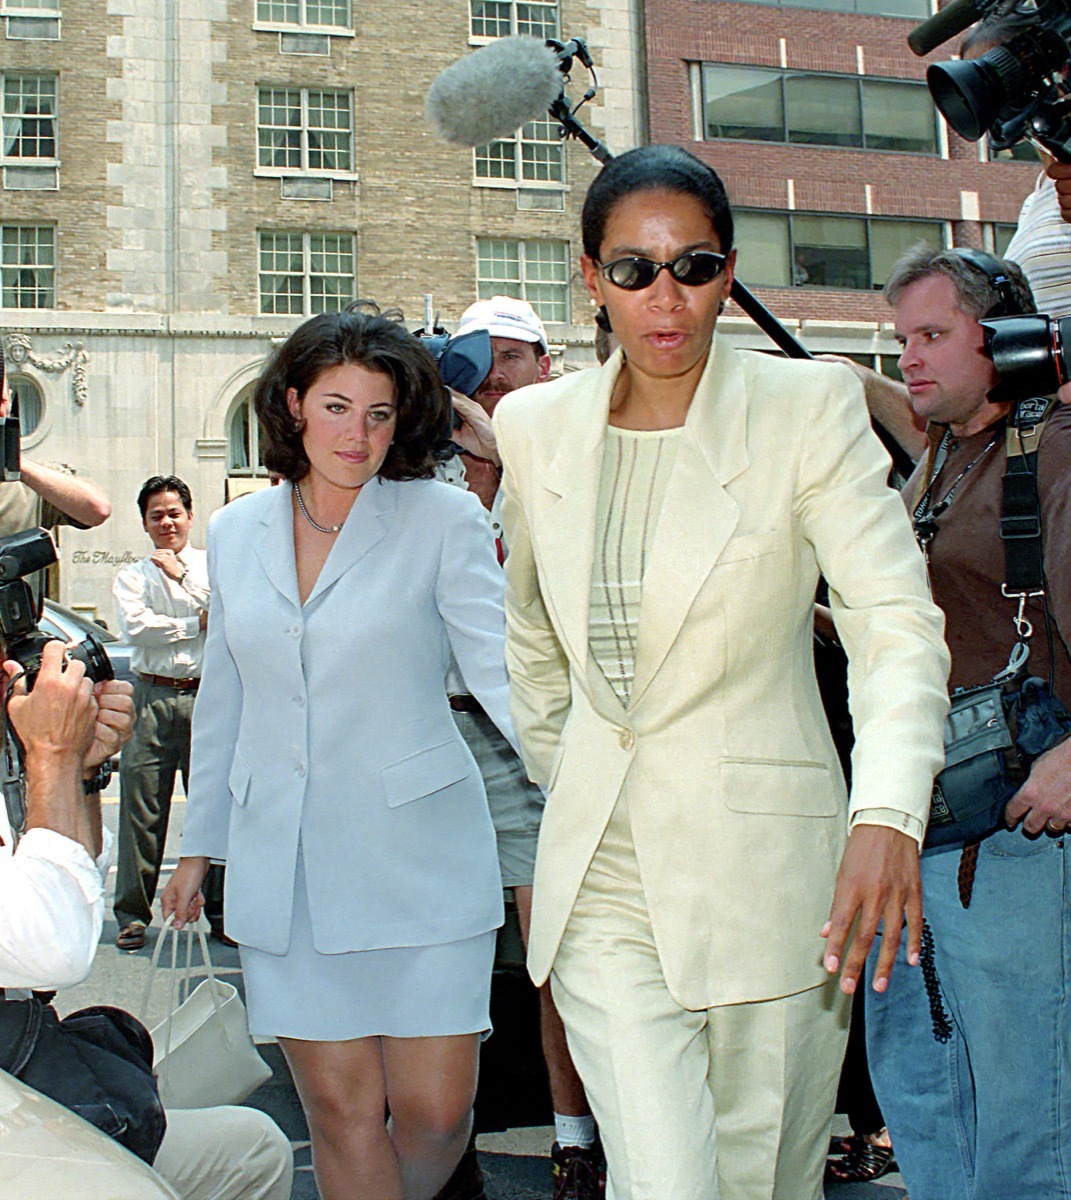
(226, 1153)
(728, 1103)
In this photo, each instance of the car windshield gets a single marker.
(66, 623)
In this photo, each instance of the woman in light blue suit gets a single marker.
(362, 879)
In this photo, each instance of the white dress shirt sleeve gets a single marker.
(140, 623)
(51, 911)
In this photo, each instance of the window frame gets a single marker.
(518, 141)
(852, 7)
(482, 39)
(496, 287)
(867, 219)
(19, 160)
(49, 268)
(251, 446)
(271, 172)
(270, 25)
(307, 276)
(786, 73)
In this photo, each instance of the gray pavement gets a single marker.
(515, 1162)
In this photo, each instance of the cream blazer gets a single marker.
(737, 805)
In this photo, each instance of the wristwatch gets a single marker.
(99, 781)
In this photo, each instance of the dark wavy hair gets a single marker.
(366, 337)
(654, 169)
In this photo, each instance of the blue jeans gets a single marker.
(986, 1115)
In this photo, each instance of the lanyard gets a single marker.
(924, 518)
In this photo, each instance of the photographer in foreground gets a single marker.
(52, 908)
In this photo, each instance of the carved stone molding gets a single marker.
(19, 351)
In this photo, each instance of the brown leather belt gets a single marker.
(467, 704)
(180, 685)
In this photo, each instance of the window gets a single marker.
(306, 273)
(27, 266)
(756, 104)
(822, 250)
(534, 271)
(915, 9)
(1020, 152)
(305, 129)
(504, 18)
(1002, 236)
(27, 403)
(327, 14)
(535, 156)
(29, 117)
(245, 455)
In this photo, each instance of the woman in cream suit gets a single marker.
(362, 878)
(668, 517)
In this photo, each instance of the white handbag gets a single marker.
(202, 1052)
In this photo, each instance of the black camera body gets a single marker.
(1018, 90)
(21, 555)
(1031, 352)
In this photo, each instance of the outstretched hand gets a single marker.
(878, 882)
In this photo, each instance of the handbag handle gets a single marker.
(193, 927)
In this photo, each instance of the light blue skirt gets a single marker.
(405, 991)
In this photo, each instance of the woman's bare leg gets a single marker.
(431, 1086)
(342, 1086)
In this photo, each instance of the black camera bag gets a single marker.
(995, 731)
(993, 734)
(97, 1062)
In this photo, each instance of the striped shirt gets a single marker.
(636, 467)
(1042, 247)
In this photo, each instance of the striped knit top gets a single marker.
(1042, 247)
(636, 467)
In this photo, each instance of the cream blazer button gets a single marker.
(626, 738)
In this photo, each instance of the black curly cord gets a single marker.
(942, 1024)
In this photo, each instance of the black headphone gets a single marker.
(996, 276)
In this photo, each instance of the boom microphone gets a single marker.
(946, 23)
(495, 90)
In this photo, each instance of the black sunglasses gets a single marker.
(693, 269)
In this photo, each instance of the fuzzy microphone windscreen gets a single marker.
(495, 90)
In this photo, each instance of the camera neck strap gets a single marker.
(1020, 521)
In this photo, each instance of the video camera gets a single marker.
(1031, 352)
(24, 554)
(1018, 90)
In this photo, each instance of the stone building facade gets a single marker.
(185, 180)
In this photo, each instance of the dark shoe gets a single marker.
(219, 935)
(131, 937)
(579, 1172)
(863, 1162)
(466, 1183)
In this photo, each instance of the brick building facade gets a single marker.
(822, 164)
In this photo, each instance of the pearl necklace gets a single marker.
(305, 514)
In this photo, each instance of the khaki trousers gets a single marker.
(727, 1103)
(226, 1153)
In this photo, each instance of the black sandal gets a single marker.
(863, 1162)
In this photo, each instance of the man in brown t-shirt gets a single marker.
(983, 1111)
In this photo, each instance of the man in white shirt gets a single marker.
(162, 605)
(52, 911)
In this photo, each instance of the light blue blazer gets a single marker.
(326, 726)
